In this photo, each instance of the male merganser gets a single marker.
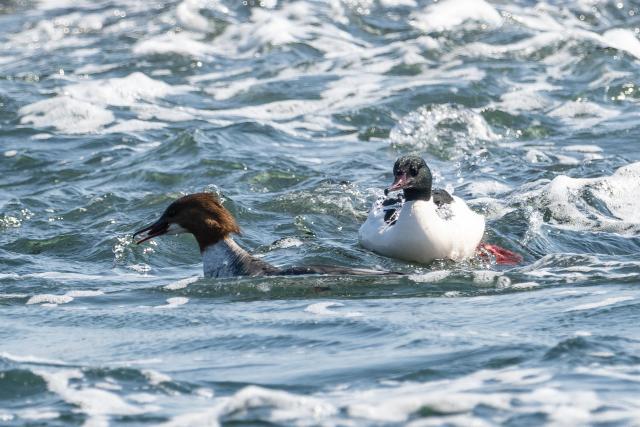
(202, 215)
(425, 224)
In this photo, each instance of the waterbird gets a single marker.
(212, 225)
(424, 224)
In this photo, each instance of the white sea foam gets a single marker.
(82, 293)
(525, 285)
(67, 276)
(156, 377)
(95, 403)
(174, 302)
(94, 68)
(124, 91)
(603, 303)
(66, 114)
(134, 126)
(523, 100)
(583, 114)
(39, 414)
(568, 201)
(448, 14)
(622, 39)
(188, 14)
(450, 402)
(287, 242)
(82, 107)
(56, 33)
(527, 96)
(181, 284)
(11, 296)
(49, 299)
(149, 111)
(183, 43)
(487, 187)
(430, 277)
(275, 27)
(286, 407)
(322, 309)
(583, 148)
(32, 359)
(441, 126)
(485, 277)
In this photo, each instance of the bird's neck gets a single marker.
(411, 194)
(226, 259)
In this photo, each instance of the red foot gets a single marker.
(502, 255)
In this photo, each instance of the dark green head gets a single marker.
(412, 175)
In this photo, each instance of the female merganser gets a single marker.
(425, 224)
(202, 215)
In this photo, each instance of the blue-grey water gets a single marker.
(293, 112)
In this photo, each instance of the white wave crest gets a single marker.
(66, 114)
(449, 402)
(578, 202)
(323, 309)
(448, 14)
(446, 128)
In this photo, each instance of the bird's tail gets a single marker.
(502, 255)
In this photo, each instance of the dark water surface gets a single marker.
(293, 112)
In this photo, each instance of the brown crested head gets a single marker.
(200, 214)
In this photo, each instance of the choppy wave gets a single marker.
(293, 113)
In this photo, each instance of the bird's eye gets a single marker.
(413, 171)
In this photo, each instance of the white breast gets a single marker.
(423, 232)
(219, 260)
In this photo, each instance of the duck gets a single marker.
(424, 224)
(213, 226)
